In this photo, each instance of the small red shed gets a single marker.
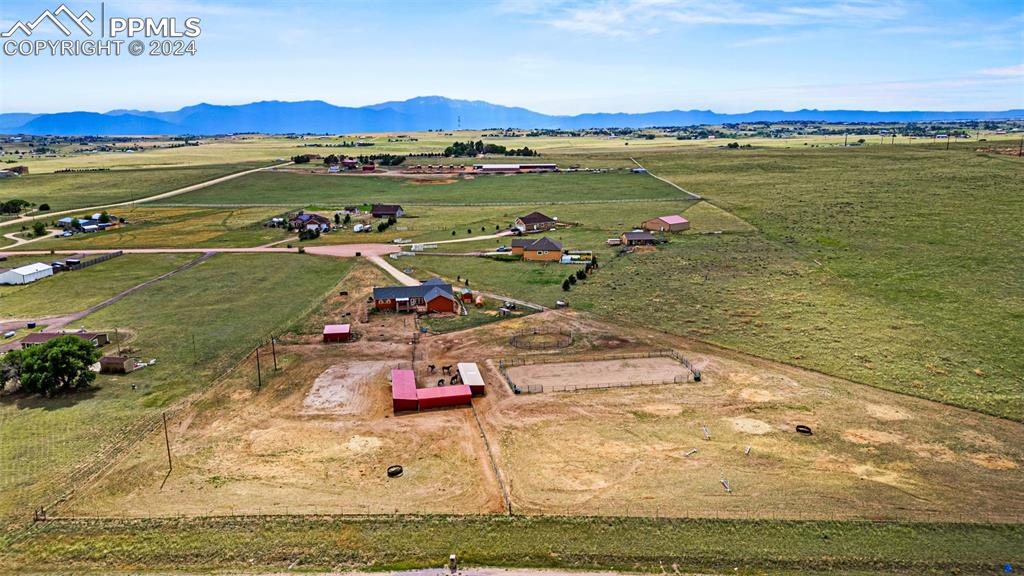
(337, 332)
(403, 390)
(442, 396)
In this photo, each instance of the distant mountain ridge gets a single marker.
(416, 114)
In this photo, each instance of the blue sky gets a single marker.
(550, 56)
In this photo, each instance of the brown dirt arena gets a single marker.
(571, 376)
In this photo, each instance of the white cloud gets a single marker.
(634, 17)
(1006, 71)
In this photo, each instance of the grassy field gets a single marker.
(329, 544)
(586, 150)
(195, 324)
(67, 191)
(151, 227)
(852, 273)
(296, 189)
(82, 288)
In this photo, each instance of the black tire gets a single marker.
(804, 429)
(394, 471)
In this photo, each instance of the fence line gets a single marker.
(504, 364)
(794, 513)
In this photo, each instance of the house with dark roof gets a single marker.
(638, 238)
(535, 222)
(387, 211)
(543, 250)
(434, 295)
(97, 338)
(309, 221)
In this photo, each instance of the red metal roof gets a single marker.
(674, 219)
(403, 384)
(337, 328)
(443, 392)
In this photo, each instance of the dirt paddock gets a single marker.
(568, 376)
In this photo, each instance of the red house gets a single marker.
(337, 332)
(434, 295)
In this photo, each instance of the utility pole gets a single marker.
(1020, 149)
(273, 350)
(167, 442)
(845, 138)
(259, 375)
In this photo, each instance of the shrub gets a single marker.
(565, 285)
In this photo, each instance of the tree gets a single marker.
(348, 218)
(337, 218)
(332, 160)
(565, 285)
(581, 275)
(60, 365)
(38, 229)
(571, 279)
(44, 207)
(104, 217)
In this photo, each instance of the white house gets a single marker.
(25, 274)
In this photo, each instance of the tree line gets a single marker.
(470, 148)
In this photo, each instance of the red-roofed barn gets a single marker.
(673, 223)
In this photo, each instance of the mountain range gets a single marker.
(416, 114)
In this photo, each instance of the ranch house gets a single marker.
(638, 238)
(673, 223)
(304, 221)
(543, 250)
(387, 211)
(535, 222)
(434, 295)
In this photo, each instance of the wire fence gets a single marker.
(541, 339)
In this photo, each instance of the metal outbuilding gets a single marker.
(25, 274)
(469, 372)
(337, 332)
(403, 390)
(443, 396)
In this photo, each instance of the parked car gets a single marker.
(503, 249)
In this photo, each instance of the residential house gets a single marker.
(97, 338)
(387, 211)
(638, 238)
(434, 295)
(535, 222)
(309, 221)
(543, 250)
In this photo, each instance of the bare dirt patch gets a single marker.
(993, 461)
(886, 412)
(864, 436)
(596, 374)
(751, 426)
(341, 388)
